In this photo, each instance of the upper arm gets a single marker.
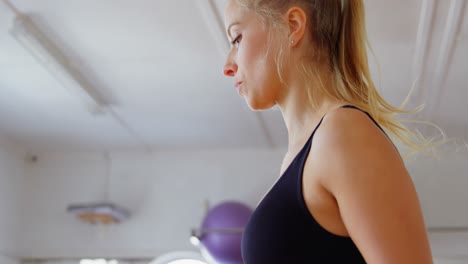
(374, 192)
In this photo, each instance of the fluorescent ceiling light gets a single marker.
(54, 60)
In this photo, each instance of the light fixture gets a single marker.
(54, 60)
(181, 257)
(197, 234)
(100, 212)
(98, 261)
(187, 261)
(195, 239)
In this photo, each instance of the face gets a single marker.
(250, 60)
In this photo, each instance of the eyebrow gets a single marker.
(229, 28)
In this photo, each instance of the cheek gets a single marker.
(253, 50)
(261, 71)
(255, 62)
(268, 68)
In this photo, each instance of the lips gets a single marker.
(238, 86)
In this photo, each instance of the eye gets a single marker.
(236, 41)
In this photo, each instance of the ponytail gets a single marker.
(354, 82)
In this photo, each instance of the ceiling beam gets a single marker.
(11, 7)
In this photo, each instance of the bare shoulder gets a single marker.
(350, 149)
(348, 136)
(378, 204)
(346, 124)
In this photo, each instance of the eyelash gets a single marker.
(236, 40)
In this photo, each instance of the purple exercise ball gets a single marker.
(224, 247)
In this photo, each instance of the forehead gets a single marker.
(235, 13)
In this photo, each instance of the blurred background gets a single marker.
(124, 102)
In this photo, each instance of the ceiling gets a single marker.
(159, 64)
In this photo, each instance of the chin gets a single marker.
(259, 106)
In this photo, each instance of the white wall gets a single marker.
(166, 193)
(8, 260)
(10, 185)
(442, 185)
(451, 261)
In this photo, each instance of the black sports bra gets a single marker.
(282, 230)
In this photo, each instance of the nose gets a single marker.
(230, 68)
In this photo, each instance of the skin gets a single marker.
(354, 181)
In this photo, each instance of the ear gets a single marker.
(297, 20)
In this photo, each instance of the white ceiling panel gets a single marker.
(160, 65)
(121, 30)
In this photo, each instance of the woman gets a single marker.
(344, 195)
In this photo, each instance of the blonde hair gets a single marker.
(339, 41)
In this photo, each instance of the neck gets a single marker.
(298, 113)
